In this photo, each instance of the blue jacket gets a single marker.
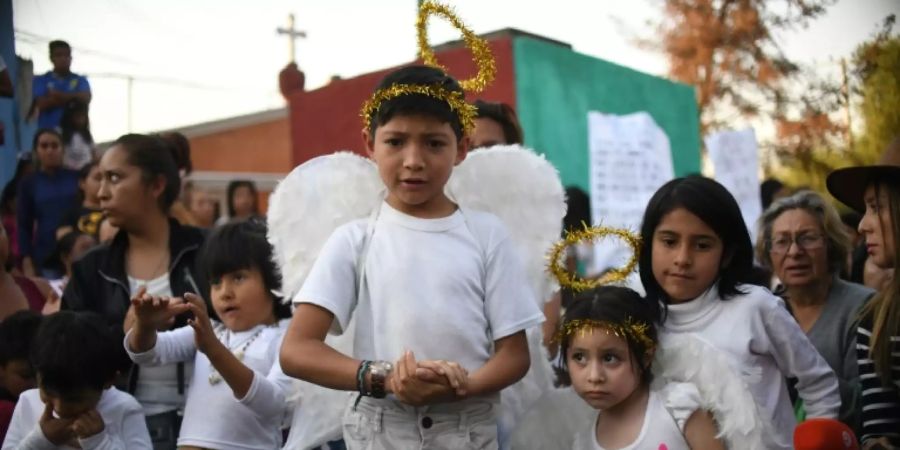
(41, 202)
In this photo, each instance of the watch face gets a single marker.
(382, 367)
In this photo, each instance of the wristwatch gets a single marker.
(378, 373)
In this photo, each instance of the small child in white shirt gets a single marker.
(75, 405)
(607, 343)
(238, 395)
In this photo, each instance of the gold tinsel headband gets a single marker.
(590, 234)
(482, 55)
(630, 330)
(456, 100)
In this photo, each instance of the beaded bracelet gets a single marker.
(361, 377)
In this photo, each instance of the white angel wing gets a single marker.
(310, 203)
(723, 391)
(304, 210)
(523, 189)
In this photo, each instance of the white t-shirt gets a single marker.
(78, 153)
(213, 417)
(444, 288)
(157, 386)
(664, 419)
(123, 420)
(765, 345)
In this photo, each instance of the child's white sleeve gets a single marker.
(24, 431)
(331, 283)
(796, 356)
(171, 347)
(267, 396)
(509, 300)
(34, 440)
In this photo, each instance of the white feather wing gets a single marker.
(310, 203)
(524, 190)
(723, 390)
(304, 210)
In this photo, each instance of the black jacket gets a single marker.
(99, 282)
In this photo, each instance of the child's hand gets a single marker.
(154, 312)
(52, 304)
(88, 424)
(409, 389)
(204, 335)
(57, 431)
(444, 372)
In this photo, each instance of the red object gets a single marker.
(824, 434)
(327, 119)
(6, 412)
(32, 293)
(291, 80)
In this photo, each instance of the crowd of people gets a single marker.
(133, 316)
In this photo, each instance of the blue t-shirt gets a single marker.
(51, 118)
(42, 201)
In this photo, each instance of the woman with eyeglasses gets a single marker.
(803, 241)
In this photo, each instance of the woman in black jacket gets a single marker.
(152, 252)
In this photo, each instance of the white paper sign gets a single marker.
(630, 159)
(736, 163)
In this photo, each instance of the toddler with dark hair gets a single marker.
(75, 405)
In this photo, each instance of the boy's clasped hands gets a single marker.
(419, 383)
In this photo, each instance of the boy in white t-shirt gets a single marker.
(425, 280)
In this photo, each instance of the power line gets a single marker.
(163, 80)
(28, 36)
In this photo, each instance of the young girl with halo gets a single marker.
(696, 259)
(607, 339)
(236, 371)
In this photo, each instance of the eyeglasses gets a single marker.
(807, 242)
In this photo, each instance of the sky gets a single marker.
(201, 60)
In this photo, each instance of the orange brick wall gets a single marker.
(263, 147)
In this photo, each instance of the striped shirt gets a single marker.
(880, 404)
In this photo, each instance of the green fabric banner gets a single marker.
(557, 87)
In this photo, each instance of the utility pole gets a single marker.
(845, 92)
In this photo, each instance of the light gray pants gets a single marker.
(383, 424)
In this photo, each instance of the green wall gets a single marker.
(557, 87)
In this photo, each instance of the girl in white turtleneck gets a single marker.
(696, 259)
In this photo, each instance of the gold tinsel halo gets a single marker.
(591, 234)
(635, 331)
(456, 100)
(481, 52)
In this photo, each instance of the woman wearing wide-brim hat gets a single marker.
(875, 192)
